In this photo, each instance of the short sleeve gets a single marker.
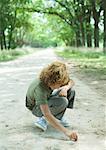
(40, 96)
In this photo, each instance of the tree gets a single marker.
(104, 14)
(12, 18)
(88, 28)
(77, 14)
(71, 22)
(4, 11)
(96, 10)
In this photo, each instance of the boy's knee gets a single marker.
(59, 102)
(71, 94)
(64, 102)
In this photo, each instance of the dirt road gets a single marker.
(17, 131)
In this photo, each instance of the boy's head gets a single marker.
(55, 74)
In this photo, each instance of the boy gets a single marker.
(48, 105)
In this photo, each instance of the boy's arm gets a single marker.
(65, 88)
(69, 85)
(55, 123)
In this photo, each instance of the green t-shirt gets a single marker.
(38, 93)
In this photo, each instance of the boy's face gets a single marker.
(55, 86)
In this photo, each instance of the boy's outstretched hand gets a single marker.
(72, 135)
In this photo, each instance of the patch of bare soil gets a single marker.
(93, 78)
(17, 130)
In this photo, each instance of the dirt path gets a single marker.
(17, 131)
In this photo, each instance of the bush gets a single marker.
(6, 55)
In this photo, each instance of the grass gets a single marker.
(6, 55)
(88, 61)
(85, 59)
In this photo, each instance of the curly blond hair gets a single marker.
(55, 73)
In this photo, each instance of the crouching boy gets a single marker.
(48, 105)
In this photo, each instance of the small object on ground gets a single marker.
(6, 125)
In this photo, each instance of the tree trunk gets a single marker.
(1, 40)
(82, 21)
(10, 39)
(88, 29)
(82, 33)
(11, 31)
(96, 16)
(104, 40)
(78, 38)
(89, 39)
(1, 43)
(96, 33)
(4, 40)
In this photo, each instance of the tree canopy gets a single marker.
(52, 22)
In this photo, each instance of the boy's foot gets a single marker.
(41, 123)
(64, 122)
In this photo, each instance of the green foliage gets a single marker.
(79, 54)
(78, 15)
(12, 54)
(55, 23)
(14, 22)
(41, 34)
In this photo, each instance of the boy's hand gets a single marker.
(73, 136)
(65, 88)
(63, 92)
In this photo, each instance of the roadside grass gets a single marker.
(88, 61)
(6, 55)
